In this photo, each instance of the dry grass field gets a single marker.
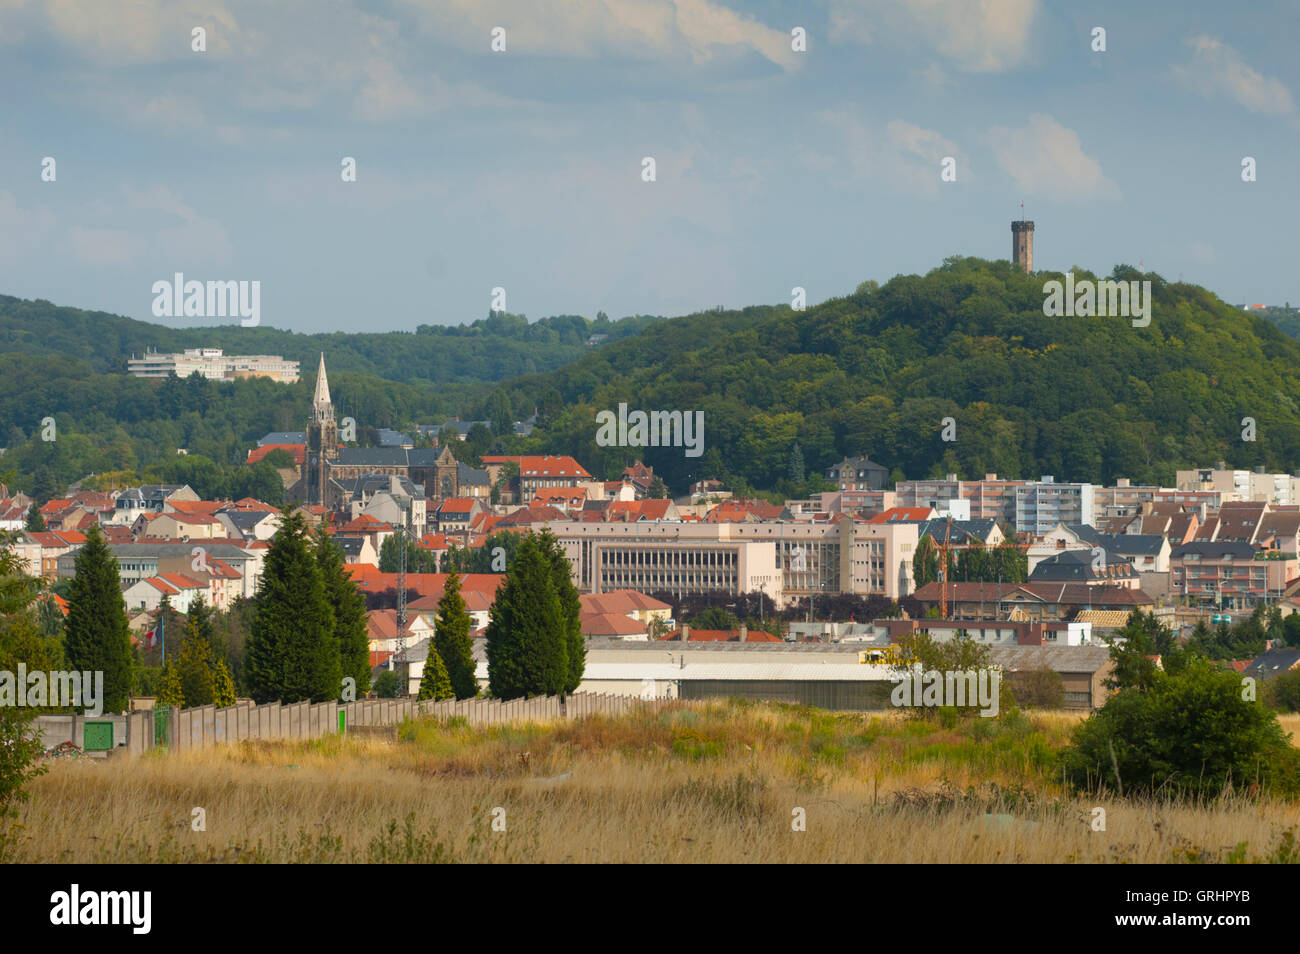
(718, 782)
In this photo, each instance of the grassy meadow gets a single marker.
(693, 782)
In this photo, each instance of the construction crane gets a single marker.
(943, 549)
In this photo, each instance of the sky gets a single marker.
(523, 169)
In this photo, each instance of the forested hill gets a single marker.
(877, 372)
(500, 346)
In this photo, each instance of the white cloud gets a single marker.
(101, 246)
(988, 36)
(1218, 68)
(643, 30)
(20, 230)
(1046, 159)
(903, 156)
(141, 31)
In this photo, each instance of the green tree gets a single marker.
(387, 685)
(50, 616)
(452, 641)
(199, 623)
(925, 562)
(434, 682)
(35, 522)
(223, 687)
(292, 653)
(500, 414)
(193, 666)
(526, 648)
(796, 466)
(570, 608)
(1133, 647)
(714, 617)
(20, 642)
(97, 637)
(171, 693)
(348, 606)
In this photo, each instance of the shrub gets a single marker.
(1283, 691)
(1040, 689)
(1192, 734)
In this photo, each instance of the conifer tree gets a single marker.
(35, 522)
(348, 606)
(198, 622)
(434, 682)
(292, 653)
(193, 666)
(454, 645)
(223, 687)
(571, 608)
(526, 648)
(97, 637)
(170, 694)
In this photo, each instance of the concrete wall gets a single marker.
(205, 726)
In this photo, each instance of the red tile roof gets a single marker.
(611, 624)
(299, 452)
(542, 466)
(525, 516)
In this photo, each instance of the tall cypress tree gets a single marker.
(349, 608)
(570, 607)
(526, 648)
(97, 637)
(292, 653)
(452, 640)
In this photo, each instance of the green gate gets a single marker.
(97, 736)
(162, 724)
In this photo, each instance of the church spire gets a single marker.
(321, 405)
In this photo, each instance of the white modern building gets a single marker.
(211, 363)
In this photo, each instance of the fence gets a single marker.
(200, 727)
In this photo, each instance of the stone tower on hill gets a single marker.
(1022, 245)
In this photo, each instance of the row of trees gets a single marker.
(1006, 563)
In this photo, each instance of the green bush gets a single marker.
(1190, 734)
(1282, 692)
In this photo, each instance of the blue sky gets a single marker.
(522, 169)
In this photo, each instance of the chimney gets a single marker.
(686, 632)
(744, 633)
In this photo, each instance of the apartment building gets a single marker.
(1123, 500)
(990, 498)
(1042, 504)
(1240, 484)
(1231, 575)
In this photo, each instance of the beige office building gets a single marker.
(783, 559)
